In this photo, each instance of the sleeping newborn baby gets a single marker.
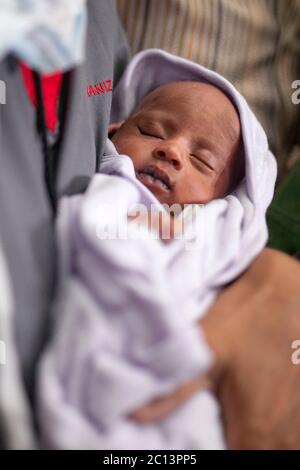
(185, 143)
(126, 321)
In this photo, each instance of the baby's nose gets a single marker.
(169, 152)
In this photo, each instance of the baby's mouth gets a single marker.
(155, 176)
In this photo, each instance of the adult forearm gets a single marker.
(251, 328)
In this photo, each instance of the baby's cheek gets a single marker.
(124, 146)
(200, 191)
(221, 185)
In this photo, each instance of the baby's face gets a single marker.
(184, 141)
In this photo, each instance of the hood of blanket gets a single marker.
(152, 68)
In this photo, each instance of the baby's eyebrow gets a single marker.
(160, 119)
(202, 142)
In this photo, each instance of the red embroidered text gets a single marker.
(102, 87)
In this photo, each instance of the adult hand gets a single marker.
(251, 328)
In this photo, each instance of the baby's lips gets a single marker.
(158, 173)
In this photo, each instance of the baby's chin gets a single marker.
(173, 204)
(168, 201)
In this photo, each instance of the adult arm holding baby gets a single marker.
(250, 329)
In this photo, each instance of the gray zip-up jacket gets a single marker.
(26, 216)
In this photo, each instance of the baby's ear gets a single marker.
(113, 127)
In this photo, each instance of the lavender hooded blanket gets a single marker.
(126, 317)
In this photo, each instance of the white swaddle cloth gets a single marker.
(126, 329)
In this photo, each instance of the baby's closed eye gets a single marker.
(150, 132)
(202, 162)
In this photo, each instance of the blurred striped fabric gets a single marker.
(253, 43)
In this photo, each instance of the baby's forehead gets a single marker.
(184, 89)
(190, 96)
(196, 100)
